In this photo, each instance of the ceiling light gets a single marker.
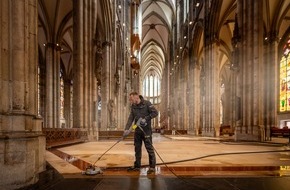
(184, 37)
(190, 22)
(180, 47)
(120, 7)
(197, 5)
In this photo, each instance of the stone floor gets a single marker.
(183, 162)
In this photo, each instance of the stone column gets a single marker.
(78, 64)
(93, 76)
(172, 99)
(85, 65)
(226, 104)
(48, 120)
(92, 79)
(89, 28)
(105, 90)
(56, 87)
(52, 85)
(121, 103)
(234, 110)
(271, 65)
(251, 85)
(190, 96)
(22, 145)
(194, 113)
(177, 98)
(234, 104)
(67, 103)
(86, 50)
(212, 91)
(185, 91)
(211, 114)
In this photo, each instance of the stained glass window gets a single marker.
(38, 91)
(41, 95)
(61, 96)
(285, 79)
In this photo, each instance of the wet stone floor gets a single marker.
(188, 163)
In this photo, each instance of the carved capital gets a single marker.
(271, 37)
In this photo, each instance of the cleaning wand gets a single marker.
(92, 169)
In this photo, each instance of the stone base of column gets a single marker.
(93, 137)
(94, 133)
(254, 133)
(208, 134)
(268, 133)
(22, 158)
(193, 132)
(196, 131)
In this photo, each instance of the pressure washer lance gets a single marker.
(92, 169)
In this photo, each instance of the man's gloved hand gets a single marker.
(126, 133)
(143, 122)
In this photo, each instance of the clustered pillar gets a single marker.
(22, 146)
(251, 59)
(84, 78)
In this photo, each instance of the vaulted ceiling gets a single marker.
(157, 16)
(55, 26)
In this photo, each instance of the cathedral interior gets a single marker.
(216, 71)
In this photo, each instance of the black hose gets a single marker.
(122, 138)
(201, 157)
(222, 154)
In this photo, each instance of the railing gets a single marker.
(60, 136)
(284, 132)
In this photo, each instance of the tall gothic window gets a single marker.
(38, 91)
(151, 87)
(285, 79)
(222, 91)
(41, 89)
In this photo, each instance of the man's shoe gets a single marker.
(133, 168)
(151, 170)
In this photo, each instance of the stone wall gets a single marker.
(22, 158)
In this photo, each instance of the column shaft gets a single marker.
(49, 87)
(78, 68)
(212, 92)
(270, 83)
(251, 70)
(67, 103)
(105, 90)
(23, 145)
